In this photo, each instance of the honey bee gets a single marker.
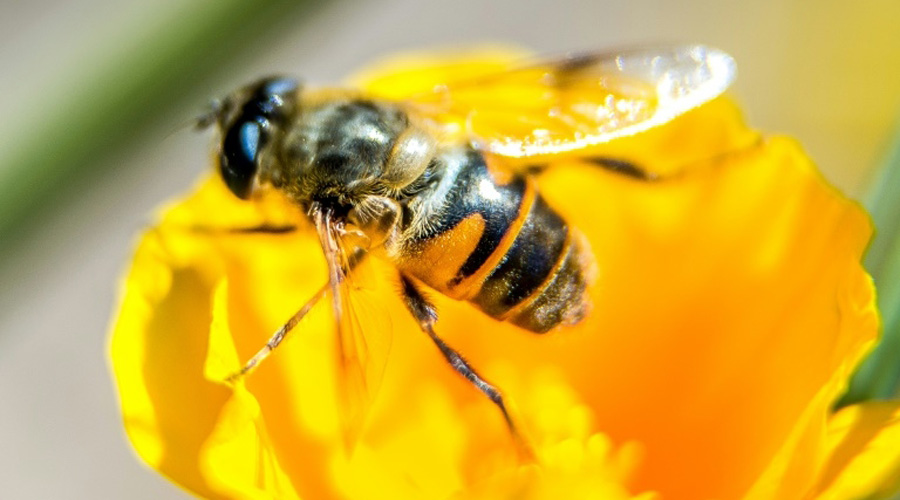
(441, 184)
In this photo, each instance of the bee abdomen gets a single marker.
(540, 282)
(499, 246)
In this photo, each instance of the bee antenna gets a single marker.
(197, 124)
(210, 116)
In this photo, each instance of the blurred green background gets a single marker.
(97, 96)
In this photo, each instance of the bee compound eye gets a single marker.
(248, 138)
(239, 159)
(281, 86)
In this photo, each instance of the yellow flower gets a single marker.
(729, 311)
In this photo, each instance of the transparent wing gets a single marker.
(569, 104)
(363, 328)
(364, 339)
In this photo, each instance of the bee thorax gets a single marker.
(351, 149)
(410, 156)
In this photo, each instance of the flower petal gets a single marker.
(168, 407)
(172, 346)
(863, 444)
(729, 309)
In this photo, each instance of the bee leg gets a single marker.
(621, 167)
(425, 313)
(624, 167)
(352, 261)
(260, 229)
(276, 338)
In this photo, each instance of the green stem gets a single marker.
(103, 111)
(879, 375)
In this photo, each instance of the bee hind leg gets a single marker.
(614, 165)
(426, 315)
(624, 167)
(260, 229)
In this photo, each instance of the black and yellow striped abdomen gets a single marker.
(497, 245)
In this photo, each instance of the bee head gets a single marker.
(247, 121)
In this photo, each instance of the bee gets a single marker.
(442, 184)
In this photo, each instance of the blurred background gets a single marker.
(97, 96)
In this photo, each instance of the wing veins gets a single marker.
(583, 100)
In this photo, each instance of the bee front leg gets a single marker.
(282, 332)
(276, 338)
(426, 315)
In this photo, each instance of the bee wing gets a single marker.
(363, 330)
(363, 342)
(570, 104)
